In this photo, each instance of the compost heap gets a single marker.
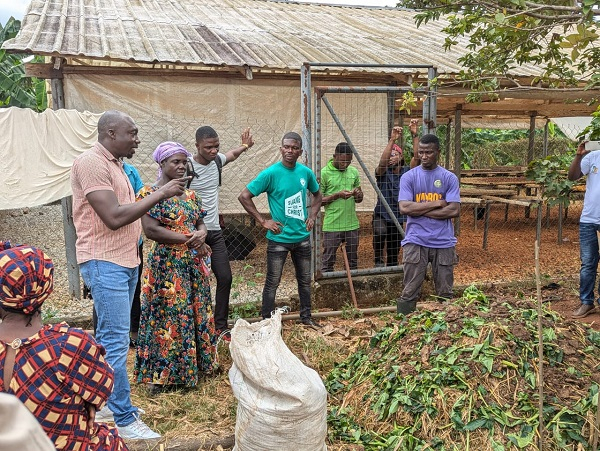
(464, 376)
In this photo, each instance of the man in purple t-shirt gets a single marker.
(430, 197)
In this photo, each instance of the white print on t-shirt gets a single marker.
(294, 207)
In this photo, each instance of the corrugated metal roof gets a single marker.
(256, 33)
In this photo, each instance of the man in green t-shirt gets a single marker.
(340, 184)
(287, 184)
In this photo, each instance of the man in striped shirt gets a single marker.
(107, 221)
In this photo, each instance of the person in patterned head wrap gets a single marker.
(59, 373)
(26, 278)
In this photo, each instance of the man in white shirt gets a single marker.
(207, 183)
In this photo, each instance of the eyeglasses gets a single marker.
(294, 148)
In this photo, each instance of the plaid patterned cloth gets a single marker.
(57, 372)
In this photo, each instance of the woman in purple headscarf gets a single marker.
(176, 340)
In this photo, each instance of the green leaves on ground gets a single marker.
(465, 375)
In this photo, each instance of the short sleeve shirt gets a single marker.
(590, 165)
(340, 215)
(207, 186)
(97, 170)
(287, 193)
(421, 185)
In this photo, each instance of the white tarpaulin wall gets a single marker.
(572, 126)
(37, 151)
(172, 108)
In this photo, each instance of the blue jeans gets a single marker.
(589, 254)
(276, 256)
(112, 287)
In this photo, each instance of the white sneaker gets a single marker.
(105, 415)
(138, 430)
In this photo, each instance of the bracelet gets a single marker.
(414, 135)
(245, 146)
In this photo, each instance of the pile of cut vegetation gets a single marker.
(465, 376)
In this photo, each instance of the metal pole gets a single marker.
(530, 149)
(296, 316)
(545, 151)
(58, 103)
(457, 155)
(430, 105)
(317, 165)
(305, 111)
(448, 142)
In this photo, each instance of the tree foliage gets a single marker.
(16, 89)
(558, 36)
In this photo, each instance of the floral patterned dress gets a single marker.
(176, 339)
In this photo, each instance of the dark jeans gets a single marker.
(415, 259)
(136, 310)
(385, 232)
(276, 256)
(222, 271)
(590, 255)
(331, 242)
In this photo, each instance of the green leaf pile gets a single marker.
(464, 376)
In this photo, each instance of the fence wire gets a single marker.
(508, 254)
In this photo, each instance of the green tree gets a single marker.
(558, 36)
(16, 89)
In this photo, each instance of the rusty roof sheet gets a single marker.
(257, 33)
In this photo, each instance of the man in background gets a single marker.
(207, 164)
(340, 185)
(391, 167)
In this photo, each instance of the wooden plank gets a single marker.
(522, 203)
(476, 192)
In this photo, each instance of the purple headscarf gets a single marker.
(166, 150)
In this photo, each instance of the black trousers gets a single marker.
(222, 270)
(385, 236)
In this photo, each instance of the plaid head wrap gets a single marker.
(26, 278)
(166, 150)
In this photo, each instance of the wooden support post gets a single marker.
(457, 155)
(347, 264)
(560, 223)
(448, 146)
(530, 151)
(58, 102)
(486, 224)
(538, 228)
